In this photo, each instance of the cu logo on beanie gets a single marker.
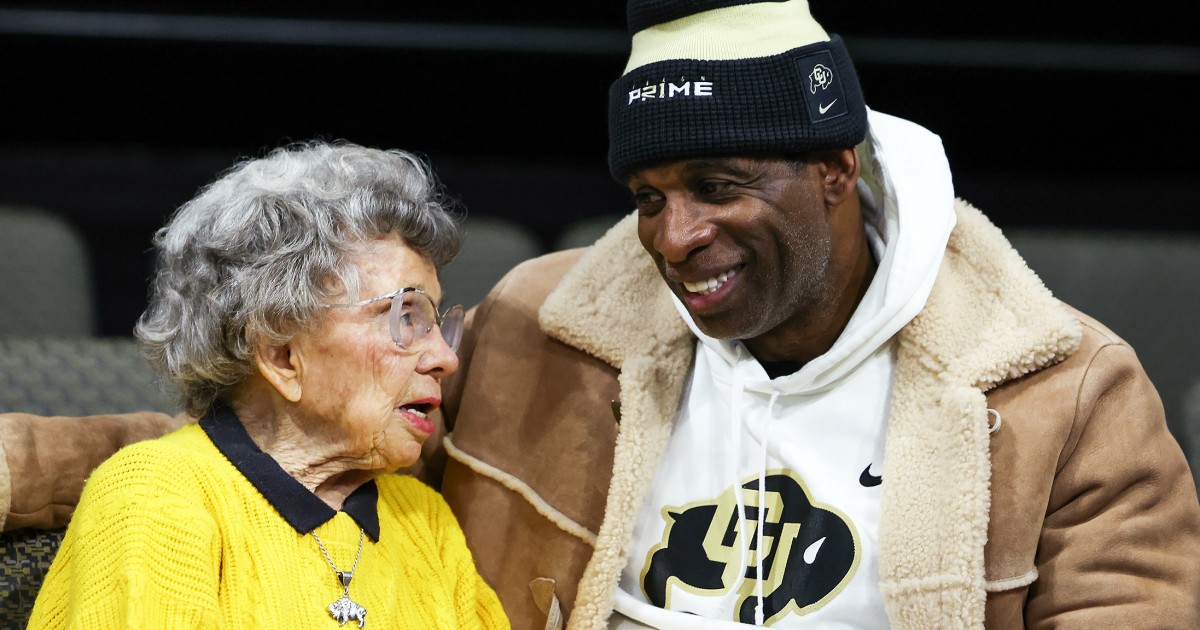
(824, 98)
(820, 77)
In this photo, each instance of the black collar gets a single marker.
(295, 503)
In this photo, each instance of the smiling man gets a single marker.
(802, 385)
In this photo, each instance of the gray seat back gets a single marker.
(584, 232)
(77, 376)
(492, 247)
(45, 279)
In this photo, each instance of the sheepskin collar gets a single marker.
(613, 304)
(989, 318)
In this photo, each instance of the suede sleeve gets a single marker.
(1120, 547)
(45, 460)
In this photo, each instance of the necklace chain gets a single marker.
(343, 577)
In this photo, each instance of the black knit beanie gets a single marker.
(710, 78)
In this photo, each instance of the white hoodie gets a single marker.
(813, 439)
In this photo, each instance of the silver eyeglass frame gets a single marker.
(454, 314)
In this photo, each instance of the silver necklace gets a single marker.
(345, 609)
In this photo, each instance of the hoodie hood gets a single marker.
(908, 204)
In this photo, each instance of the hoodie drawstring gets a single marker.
(762, 502)
(735, 441)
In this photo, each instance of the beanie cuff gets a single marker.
(805, 99)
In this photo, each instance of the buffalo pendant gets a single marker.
(345, 609)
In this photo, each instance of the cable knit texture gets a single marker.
(168, 534)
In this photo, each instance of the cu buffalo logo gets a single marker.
(810, 552)
(820, 77)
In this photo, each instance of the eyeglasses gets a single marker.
(413, 317)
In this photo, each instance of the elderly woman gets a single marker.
(296, 308)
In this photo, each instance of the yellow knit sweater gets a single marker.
(169, 534)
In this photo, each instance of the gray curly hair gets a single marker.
(256, 253)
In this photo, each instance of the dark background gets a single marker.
(1061, 114)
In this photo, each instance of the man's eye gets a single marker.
(713, 187)
(647, 201)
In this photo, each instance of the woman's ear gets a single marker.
(281, 365)
(840, 169)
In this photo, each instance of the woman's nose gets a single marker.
(438, 359)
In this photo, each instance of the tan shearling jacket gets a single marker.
(1030, 480)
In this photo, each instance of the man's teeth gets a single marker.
(705, 287)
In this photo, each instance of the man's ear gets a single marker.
(839, 171)
(282, 367)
